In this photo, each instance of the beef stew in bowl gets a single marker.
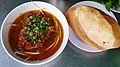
(34, 35)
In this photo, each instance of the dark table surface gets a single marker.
(71, 56)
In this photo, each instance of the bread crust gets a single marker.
(74, 24)
(116, 29)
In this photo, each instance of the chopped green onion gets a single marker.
(48, 18)
(27, 33)
(31, 17)
(47, 34)
(25, 28)
(29, 23)
(36, 31)
(36, 28)
(51, 27)
(39, 40)
(55, 22)
(34, 37)
(43, 20)
(34, 20)
(28, 28)
(40, 26)
(36, 24)
(37, 15)
(28, 39)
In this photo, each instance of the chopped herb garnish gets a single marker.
(36, 25)
(31, 17)
(37, 15)
(25, 28)
(48, 18)
(55, 22)
(46, 34)
(39, 40)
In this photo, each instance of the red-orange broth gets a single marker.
(15, 40)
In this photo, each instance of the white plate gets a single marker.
(116, 11)
(72, 36)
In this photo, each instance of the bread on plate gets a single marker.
(94, 27)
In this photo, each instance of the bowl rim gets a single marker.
(65, 40)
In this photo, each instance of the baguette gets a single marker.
(94, 27)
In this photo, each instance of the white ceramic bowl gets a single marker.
(74, 39)
(24, 8)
